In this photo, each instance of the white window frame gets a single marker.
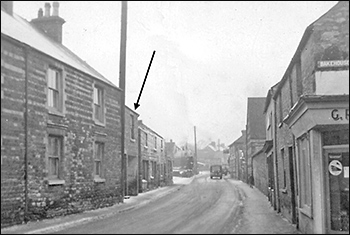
(99, 151)
(98, 105)
(55, 91)
(54, 156)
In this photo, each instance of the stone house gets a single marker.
(312, 128)
(153, 164)
(60, 124)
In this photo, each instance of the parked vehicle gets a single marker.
(216, 171)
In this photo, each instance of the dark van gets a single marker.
(216, 171)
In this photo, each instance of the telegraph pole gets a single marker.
(195, 153)
(122, 67)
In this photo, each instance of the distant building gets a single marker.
(255, 131)
(154, 166)
(131, 151)
(236, 161)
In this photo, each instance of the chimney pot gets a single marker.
(47, 9)
(55, 6)
(40, 13)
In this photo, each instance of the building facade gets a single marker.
(60, 125)
(154, 167)
(131, 151)
(313, 127)
(255, 132)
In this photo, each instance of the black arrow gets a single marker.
(136, 105)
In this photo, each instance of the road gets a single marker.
(204, 206)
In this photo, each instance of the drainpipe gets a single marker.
(26, 77)
(277, 199)
(122, 62)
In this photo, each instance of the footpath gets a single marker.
(258, 216)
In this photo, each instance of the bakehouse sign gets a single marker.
(332, 63)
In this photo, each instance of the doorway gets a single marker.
(337, 188)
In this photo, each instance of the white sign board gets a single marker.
(335, 167)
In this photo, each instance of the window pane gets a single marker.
(97, 168)
(96, 99)
(53, 166)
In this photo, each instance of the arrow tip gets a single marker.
(136, 105)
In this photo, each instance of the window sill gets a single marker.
(55, 112)
(98, 123)
(99, 180)
(146, 147)
(56, 182)
(155, 150)
(132, 140)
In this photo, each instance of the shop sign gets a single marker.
(335, 167)
(332, 63)
(338, 115)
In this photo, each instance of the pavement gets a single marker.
(258, 217)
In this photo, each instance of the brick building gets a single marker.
(236, 160)
(255, 132)
(312, 128)
(270, 120)
(260, 171)
(60, 124)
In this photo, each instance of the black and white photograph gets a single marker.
(175, 117)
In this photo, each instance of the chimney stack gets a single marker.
(40, 13)
(51, 25)
(7, 6)
(47, 9)
(55, 6)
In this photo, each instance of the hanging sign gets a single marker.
(335, 167)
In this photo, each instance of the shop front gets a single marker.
(320, 125)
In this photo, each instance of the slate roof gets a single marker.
(21, 30)
(240, 140)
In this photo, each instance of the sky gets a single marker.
(210, 56)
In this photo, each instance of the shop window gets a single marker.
(305, 176)
(336, 137)
(338, 164)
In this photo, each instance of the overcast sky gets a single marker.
(210, 56)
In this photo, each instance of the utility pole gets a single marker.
(122, 67)
(195, 153)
